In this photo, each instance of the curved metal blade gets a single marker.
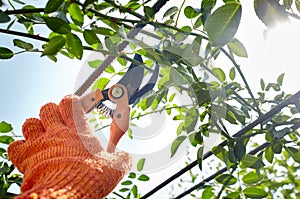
(133, 77)
(149, 86)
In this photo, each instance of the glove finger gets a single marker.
(50, 115)
(32, 128)
(72, 113)
(74, 117)
(14, 152)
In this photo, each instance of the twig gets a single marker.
(243, 78)
(24, 11)
(180, 9)
(12, 32)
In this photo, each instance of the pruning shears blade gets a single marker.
(149, 86)
(133, 77)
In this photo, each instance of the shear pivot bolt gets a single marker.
(117, 92)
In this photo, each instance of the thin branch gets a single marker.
(180, 9)
(12, 32)
(118, 195)
(243, 78)
(294, 15)
(24, 11)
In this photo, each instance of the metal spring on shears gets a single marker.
(104, 110)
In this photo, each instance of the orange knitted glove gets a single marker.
(61, 158)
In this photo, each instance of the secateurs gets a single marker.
(124, 93)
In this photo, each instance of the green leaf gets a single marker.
(122, 61)
(140, 164)
(287, 4)
(100, 83)
(54, 45)
(110, 69)
(5, 139)
(297, 2)
(132, 175)
(171, 11)
(149, 13)
(4, 18)
(91, 38)
(270, 12)
(206, 7)
(95, 63)
(198, 22)
(252, 162)
(269, 154)
(21, 44)
(251, 178)
(226, 179)
(276, 147)
(253, 192)
(233, 195)
(222, 24)
(176, 143)
(6, 53)
(190, 119)
(207, 193)
(294, 153)
(76, 14)
(105, 31)
(133, 5)
(230, 117)
(232, 73)
(134, 191)
(53, 5)
(127, 182)
(237, 48)
(57, 25)
(280, 79)
(74, 45)
(200, 156)
(191, 12)
(143, 177)
(239, 149)
(124, 189)
(262, 84)
(220, 152)
(177, 77)
(220, 74)
(5, 127)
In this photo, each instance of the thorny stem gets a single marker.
(12, 32)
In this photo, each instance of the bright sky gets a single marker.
(28, 81)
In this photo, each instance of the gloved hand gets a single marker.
(60, 157)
